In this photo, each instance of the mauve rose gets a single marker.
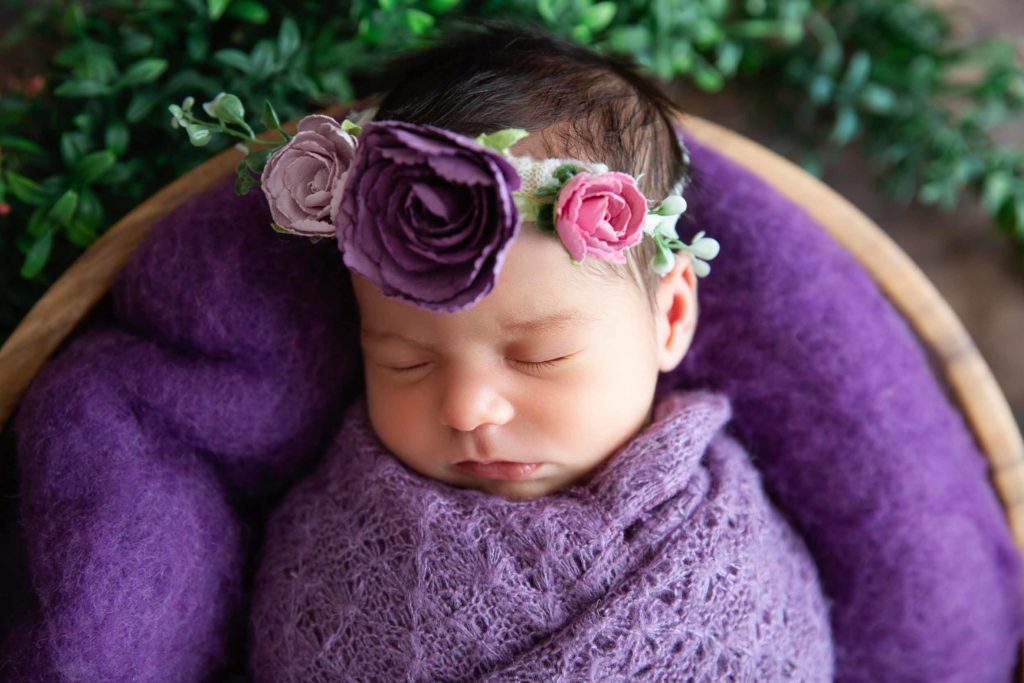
(600, 216)
(303, 180)
(428, 215)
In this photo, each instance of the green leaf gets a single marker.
(503, 139)
(878, 99)
(264, 61)
(140, 105)
(581, 34)
(288, 39)
(38, 223)
(728, 58)
(706, 77)
(663, 260)
(116, 138)
(931, 193)
(546, 11)
(845, 127)
(145, 71)
(250, 11)
(197, 46)
(135, 43)
(63, 210)
(28, 191)
(564, 172)
(1018, 206)
(216, 8)
(90, 211)
(83, 122)
(92, 166)
(21, 144)
(630, 39)
(998, 187)
(597, 17)
(73, 146)
(226, 107)
(97, 64)
(549, 191)
(337, 86)
(82, 89)
(757, 29)
(38, 255)
(269, 118)
(528, 206)
(820, 89)
(857, 72)
(244, 180)
(198, 135)
(236, 59)
(80, 234)
(418, 22)
(546, 218)
(441, 6)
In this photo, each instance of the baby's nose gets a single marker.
(473, 398)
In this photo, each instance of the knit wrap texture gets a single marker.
(667, 564)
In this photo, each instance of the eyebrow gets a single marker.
(557, 319)
(552, 320)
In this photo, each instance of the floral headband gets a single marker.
(428, 215)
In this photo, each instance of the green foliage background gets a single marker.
(97, 140)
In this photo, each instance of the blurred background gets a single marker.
(911, 109)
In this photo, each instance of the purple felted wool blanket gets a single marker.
(667, 564)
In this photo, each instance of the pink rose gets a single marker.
(600, 216)
(303, 180)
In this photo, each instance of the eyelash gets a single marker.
(534, 365)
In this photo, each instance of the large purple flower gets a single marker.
(427, 214)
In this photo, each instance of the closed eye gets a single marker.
(409, 368)
(537, 365)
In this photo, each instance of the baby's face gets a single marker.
(556, 366)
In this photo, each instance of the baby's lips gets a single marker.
(502, 470)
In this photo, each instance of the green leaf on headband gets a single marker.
(663, 260)
(547, 191)
(502, 139)
(269, 119)
(197, 135)
(278, 228)
(528, 206)
(546, 218)
(226, 107)
(564, 172)
(351, 128)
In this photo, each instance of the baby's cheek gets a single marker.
(398, 415)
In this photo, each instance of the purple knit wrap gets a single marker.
(668, 563)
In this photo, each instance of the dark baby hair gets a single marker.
(483, 76)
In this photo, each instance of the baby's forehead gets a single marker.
(538, 291)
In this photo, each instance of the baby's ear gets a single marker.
(676, 317)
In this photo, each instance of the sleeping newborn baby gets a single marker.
(509, 501)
